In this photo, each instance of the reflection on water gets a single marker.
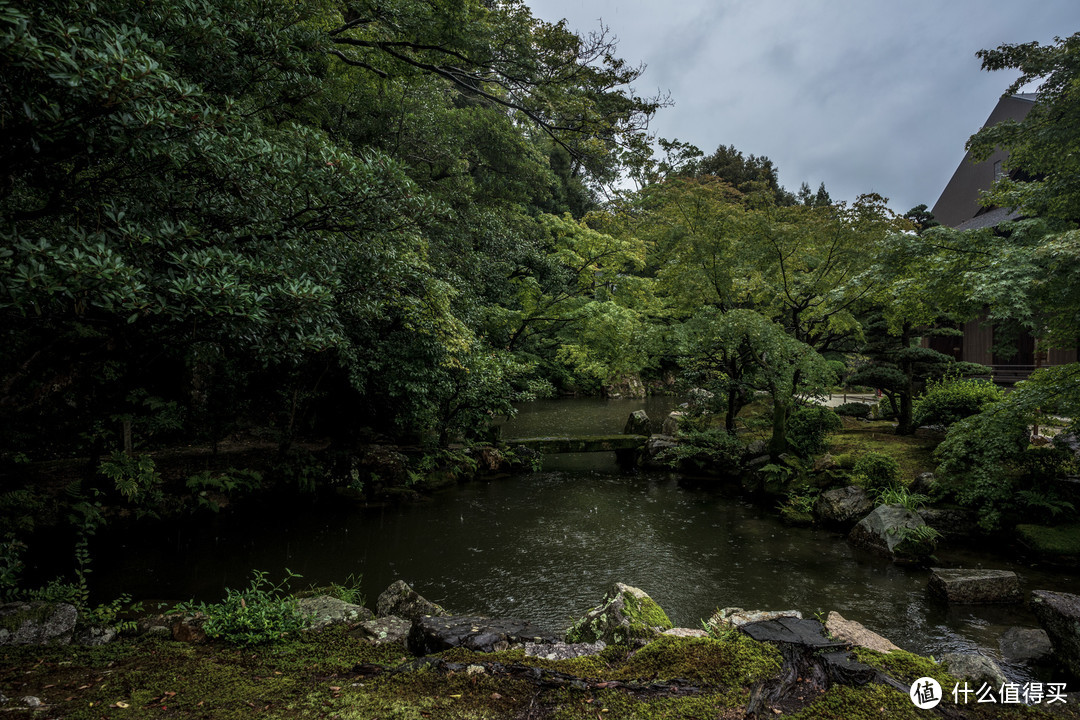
(546, 546)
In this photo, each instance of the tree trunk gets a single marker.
(778, 445)
(905, 426)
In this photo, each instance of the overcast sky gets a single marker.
(863, 95)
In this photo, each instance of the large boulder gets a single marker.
(736, 617)
(1025, 645)
(1059, 614)
(325, 610)
(402, 601)
(637, 424)
(856, 633)
(479, 634)
(843, 506)
(672, 422)
(653, 447)
(978, 669)
(629, 386)
(37, 623)
(892, 530)
(627, 615)
(957, 586)
(389, 630)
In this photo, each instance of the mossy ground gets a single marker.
(1059, 542)
(332, 675)
(915, 455)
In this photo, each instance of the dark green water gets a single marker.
(546, 546)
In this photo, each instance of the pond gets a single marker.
(547, 545)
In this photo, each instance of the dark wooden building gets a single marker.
(959, 207)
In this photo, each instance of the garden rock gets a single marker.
(37, 623)
(885, 531)
(325, 610)
(843, 506)
(735, 617)
(1068, 441)
(976, 668)
(629, 386)
(479, 634)
(653, 447)
(856, 633)
(94, 636)
(389, 630)
(637, 424)
(672, 422)
(1059, 614)
(189, 629)
(401, 600)
(627, 615)
(562, 650)
(950, 522)
(686, 632)
(923, 484)
(1025, 645)
(974, 587)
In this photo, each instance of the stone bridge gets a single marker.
(580, 443)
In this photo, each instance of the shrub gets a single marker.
(711, 448)
(876, 471)
(853, 409)
(951, 398)
(259, 614)
(986, 461)
(809, 426)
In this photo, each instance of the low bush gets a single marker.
(951, 398)
(876, 471)
(809, 426)
(853, 409)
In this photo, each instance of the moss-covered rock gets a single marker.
(37, 623)
(626, 616)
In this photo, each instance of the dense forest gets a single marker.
(391, 220)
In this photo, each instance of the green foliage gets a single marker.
(918, 541)
(979, 459)
(809, 427)
(876, 471)
(712, 449)
(1048, 186)
(900, 495)
(853, 409)
(135, 478)
(259, 614)
(208, 486)
(953, 398)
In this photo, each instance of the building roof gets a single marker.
(959, 201)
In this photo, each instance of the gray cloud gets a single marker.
(865, 95)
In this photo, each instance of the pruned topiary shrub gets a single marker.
(853, 409)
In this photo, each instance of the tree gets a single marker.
(740, 352)
(745, 173)
(921, 217)
(1048, 185)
